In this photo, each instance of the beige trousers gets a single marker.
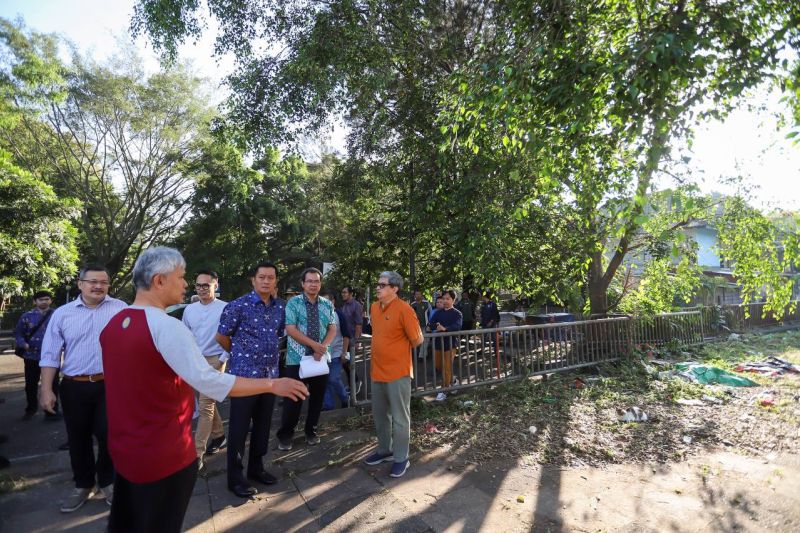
(209, 423)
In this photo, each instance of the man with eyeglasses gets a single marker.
(311, 328)
(395, 332)
(202, 319)
(72, 343)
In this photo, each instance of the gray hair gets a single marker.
(154, 261)
(393, 278)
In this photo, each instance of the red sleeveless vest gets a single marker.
(148, 406)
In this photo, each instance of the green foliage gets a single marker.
(591, 93)
(761, 256)
(663, 286)
(245, 214)
(36, 235)
(119, 141)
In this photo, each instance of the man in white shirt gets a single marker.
(202, 319)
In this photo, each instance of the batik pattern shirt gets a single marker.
(297, 315)
(255, 329)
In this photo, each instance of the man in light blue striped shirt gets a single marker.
(74, 331)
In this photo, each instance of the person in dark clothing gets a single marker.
(467, 309)
(446, 319)
(28, 335)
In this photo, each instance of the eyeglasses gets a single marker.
(312, 281)
(202, 286)
(98, 282)
(383, 285)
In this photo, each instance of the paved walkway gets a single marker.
(327, 488)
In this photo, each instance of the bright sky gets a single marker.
(746, 144)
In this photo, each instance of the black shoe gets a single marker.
(216, 445)
(64, 447)
(243, 490)
(28, 414)
(52, 417)
(265, 478)
(4, 463)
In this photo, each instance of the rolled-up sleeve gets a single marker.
(53, 343)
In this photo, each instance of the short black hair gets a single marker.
(350, 289)
(93, 267)
(263, 264)
(208, 272)
(310, 270)
(42, 294)
(451, 292)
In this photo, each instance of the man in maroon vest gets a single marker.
(152, 363)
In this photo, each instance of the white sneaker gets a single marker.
(441, 397)
(75, 499)
(108, 493)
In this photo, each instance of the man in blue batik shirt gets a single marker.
(29, 335)
(250, 329)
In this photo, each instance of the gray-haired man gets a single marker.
(395, 332)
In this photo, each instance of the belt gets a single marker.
(92, 377)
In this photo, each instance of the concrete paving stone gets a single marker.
(280, 512)
(199, 518)
(88, 519)
(220, 497)
(325, 488)
(379, 512)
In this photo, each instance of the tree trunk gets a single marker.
(598, 288)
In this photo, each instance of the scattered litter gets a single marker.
(549, 400)
(694, 401)
(634, 414)
(687, 439)
(520, 499)
(468, 404)
(764, 399)
(734, 337)
(532, 430)
(430, 427)
(710, 399)
(771, 366)
(579, 383)
(665, 374)
(707, 374)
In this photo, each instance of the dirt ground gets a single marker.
(536, 455)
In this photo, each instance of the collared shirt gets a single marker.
(27, 323)
(297, 315)
(255, 329)
(342, 331)
(75, 329)
(394, 327)
(203, 321)
(354, 313)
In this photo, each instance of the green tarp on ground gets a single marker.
(708, 375)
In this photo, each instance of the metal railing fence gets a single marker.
(485, 356)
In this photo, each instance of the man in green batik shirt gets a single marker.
(311, 328)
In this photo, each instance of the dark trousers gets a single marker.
(157, 506)
(32, 374)
(84, 407)
(291, 409)
(244, 411)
